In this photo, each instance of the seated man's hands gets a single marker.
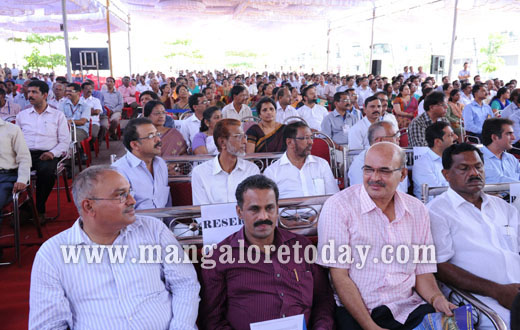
(47, 156)
(506, 293)
(18, 186)
(441, 304)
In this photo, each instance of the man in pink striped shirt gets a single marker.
(380, 284)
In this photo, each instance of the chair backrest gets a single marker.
(181, 193)
(249, 121)
(320, 148)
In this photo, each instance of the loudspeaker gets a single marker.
(437, 64)
(89, 58)
(376, 67)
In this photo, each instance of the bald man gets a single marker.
(380, 287)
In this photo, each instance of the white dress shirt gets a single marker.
(313, 116)
(358, 135)
(282, 115)
(427, 169)
(189, 128)
(150, 192)
(252, 89)
(118, 295)
(229, 112)
(466, 99)
(93, 102)
(47, 131)
(363, 94)
(481, 241)
(142, 88)
(355, 173)
(56, 104)
(512, 111)
(210, 184)
(315, 177)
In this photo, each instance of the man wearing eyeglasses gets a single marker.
(102, 293)
(297, 173)
(191, 126)
(77, 111)
(337, 124)
(435, 107)
(142, 166)
(216, 180)
(382, 292)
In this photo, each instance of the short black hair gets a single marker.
(76, 87)
(85, 84)
(152, 94)
(455, 149)
(338, 95)
(2, 92)
(257, 181)
(435, 131)
(61, 79)
(194, 100)
(370, 99)
(291, 130)
(237, 89)
(148, 108)
(178, 88)
(493, 126)
(476, 88)
(433, 99)
(42, 86)
(263, 100)
(131, 131)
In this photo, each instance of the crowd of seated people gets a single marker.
(358, 113)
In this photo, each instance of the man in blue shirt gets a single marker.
(427, 169)
(512, 111)
(476, 112)
(497, 137)
(76, 110)
(142, 166)
(338, 123)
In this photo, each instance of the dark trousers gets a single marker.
(7, 180)
(45, 177)
(383, 317)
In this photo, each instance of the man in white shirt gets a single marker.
(142, 86)
(58, 95)
(298, 173)
(512, 111)
(331, 88)
(358, 134)
(381, 131)
(191, 125)
(216, 180)
(321, 88)
(387, 114)
(363, 91)
(310, 111)
(406, 74)
(466, 97)
(284, 109)
(237, 109)
(142, 166)
(372, 84)
(142, 290)
(427, 169)
(95, 107)
(475, 234)
(47, 135)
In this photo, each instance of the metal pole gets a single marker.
(66, 37)
(328, 45)
(129, 49)
(109, 41)
(372, 36)
(453, 37)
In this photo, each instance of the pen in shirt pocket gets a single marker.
(296, 274)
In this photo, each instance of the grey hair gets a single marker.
(85, 182)
(374, 128)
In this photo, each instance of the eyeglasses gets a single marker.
(162, 113)
(150, 136)
(390, 136)
(302, 138)
(384, 172)
(240, 136)
(205, 102)
(122, 197)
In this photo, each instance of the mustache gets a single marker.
(263, 222)
(475, 178)
(158, 144)
(377, 183)
(129, 209)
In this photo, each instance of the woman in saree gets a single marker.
(173, 143)
(405, 107)
(267, 135)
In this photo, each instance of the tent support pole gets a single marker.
(66, 38)
(372, 37)
(109, 41)
(129, 49)
(453, 37)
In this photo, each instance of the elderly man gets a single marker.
(427, 169)
(337, 124)
(95, 107)
(70, 291)
(216, 180)
(142, 166)
(238, 108)
(297, 172)
(475, 234)
(58, 97)
(378, 291)
(239, 294)
(77, 111)
(284, 109)
(47, 135)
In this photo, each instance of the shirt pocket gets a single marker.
(319, 186)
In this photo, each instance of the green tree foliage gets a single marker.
(492, 61)
(182, 47)
(36, 60)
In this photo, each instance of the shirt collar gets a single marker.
(457, 200)
(132, 159)
(367, 204)
(78, 236)
(217, 168)
(281, 236)
(284, 160)
(433, 155)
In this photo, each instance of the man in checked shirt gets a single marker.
(379, 293)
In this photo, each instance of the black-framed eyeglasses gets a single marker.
(304, 138)
(150, 136)
(122, 197)
(383, 171)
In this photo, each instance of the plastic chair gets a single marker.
(249, 121)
